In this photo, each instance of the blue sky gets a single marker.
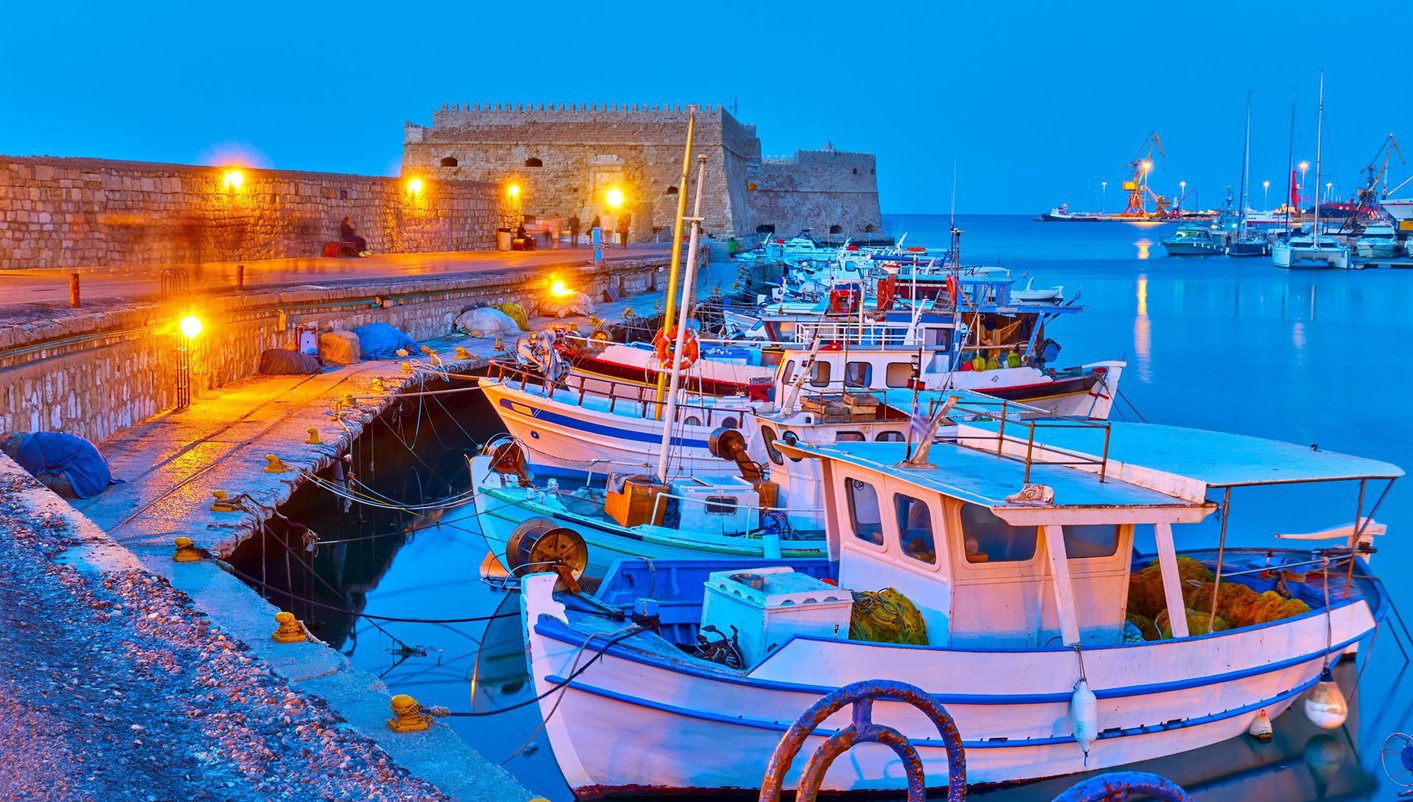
(1035, 103)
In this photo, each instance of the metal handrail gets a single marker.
(660, 496)
(1029, 419)
(640, 395)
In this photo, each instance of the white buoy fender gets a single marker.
(1261, 728)
(1326, 706)
(1084, 715)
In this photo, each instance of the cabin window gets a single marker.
(819, 374)
(768, 435)
(915, 529)
(849, 437)
(889, 437)
(730, 422)
(1091, 540)
(940, 339)
(721, 505)
(788, 372)
(858, 374)
(988, 539)
(898, 374)
(692, 420)
(864, 512)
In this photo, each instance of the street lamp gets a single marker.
(1266, 196)
(1103, 195)
(614, 197)
(190, 328)
(1329, 187)
(1182, 195)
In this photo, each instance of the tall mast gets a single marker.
(1245, 169)
(669, 416)
(1290, 171)
(1319, 129)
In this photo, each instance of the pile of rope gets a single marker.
(886, 616)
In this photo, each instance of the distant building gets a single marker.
(567, 159)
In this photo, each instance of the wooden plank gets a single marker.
(1172, 583)
(1064, 591)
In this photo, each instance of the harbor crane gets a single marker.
(1370, 194)
(1137, 186)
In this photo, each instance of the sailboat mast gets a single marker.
(1319, 129)
(1245, 169)
(669, 418)
(1290, 170)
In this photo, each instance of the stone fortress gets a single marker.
(565, 160)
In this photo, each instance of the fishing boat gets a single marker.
(796, 249)
(1029, 294)
(1008, 555)
(1308, 250)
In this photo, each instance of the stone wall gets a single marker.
(565, 159)
(90, 212)
(832, 193)
(95, 373)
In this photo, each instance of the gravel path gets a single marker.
(113, 688)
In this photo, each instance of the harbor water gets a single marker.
(1236, 345)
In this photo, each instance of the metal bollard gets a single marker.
(240, 277)
(74, 290)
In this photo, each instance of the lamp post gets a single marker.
(1266, 195)
(189, 328)
(1103, 195)
(1304, 165)
(1182, 195)
(1329, 190)
(614, 199)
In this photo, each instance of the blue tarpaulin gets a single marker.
(381, 341)
(66, 455)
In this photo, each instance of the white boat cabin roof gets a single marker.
(1189, 462)
(981, 477)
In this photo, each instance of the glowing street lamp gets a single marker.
(1266, 196)
(614, 197)
(233, 180)
(190, 327)
(1182, 195)
(1329, 190)
(1103, 195)
(414, 186)
(513, 191)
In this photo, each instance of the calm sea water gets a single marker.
(1312, 357)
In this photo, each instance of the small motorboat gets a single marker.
(1031, 295)
(1379, 240)
(1196, 240)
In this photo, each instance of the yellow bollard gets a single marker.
(274, 465)
(406, 366)
(313, 438)
(222, 502)
(289, 629)
(462, 353)
(378, 386)
(408, 715)
(185, 551)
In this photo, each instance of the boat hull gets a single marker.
(636, 721)
(1301, 257)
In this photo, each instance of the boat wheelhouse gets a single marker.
(1014, 542)
(1196, 240)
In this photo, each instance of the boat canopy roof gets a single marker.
(1198, 456)
(984, 478)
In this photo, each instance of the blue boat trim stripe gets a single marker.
(933, 742)
(549, 416)
(556, 630)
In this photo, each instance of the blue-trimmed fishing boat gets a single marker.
(1014, 543)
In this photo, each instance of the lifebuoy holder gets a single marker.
(666, 342)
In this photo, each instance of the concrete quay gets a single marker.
(326, 735)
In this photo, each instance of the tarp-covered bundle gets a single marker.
(339, 348)
(66, 463)
(283, 362)
(382, 341)
(562, 306)
(517, 313)
(487, 322)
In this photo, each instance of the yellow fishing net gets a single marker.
(515, 312)
(886, 616)
(1237, 604)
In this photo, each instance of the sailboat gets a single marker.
(1306, 250)
(1248, 242)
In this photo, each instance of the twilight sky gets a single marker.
(1035, 103)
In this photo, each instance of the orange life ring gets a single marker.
(843, 301)
(666, 339)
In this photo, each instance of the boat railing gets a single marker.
(1016, 426)
(716, 501)
(639, 399)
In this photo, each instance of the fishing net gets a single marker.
(1242, 606)
(1145, 626)
(1196, 623)
(515, 312)
(1145, 595)
(886, 616)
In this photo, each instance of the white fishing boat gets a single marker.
(796, 249)
(1031, 295)
(1015, 545)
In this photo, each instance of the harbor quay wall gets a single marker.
(95, 374)
(73, 212)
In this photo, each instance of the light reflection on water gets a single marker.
(1215, 343)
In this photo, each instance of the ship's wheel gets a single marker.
(1397, 761)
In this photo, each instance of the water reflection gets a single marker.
(1143, 246)
(1142, 332)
